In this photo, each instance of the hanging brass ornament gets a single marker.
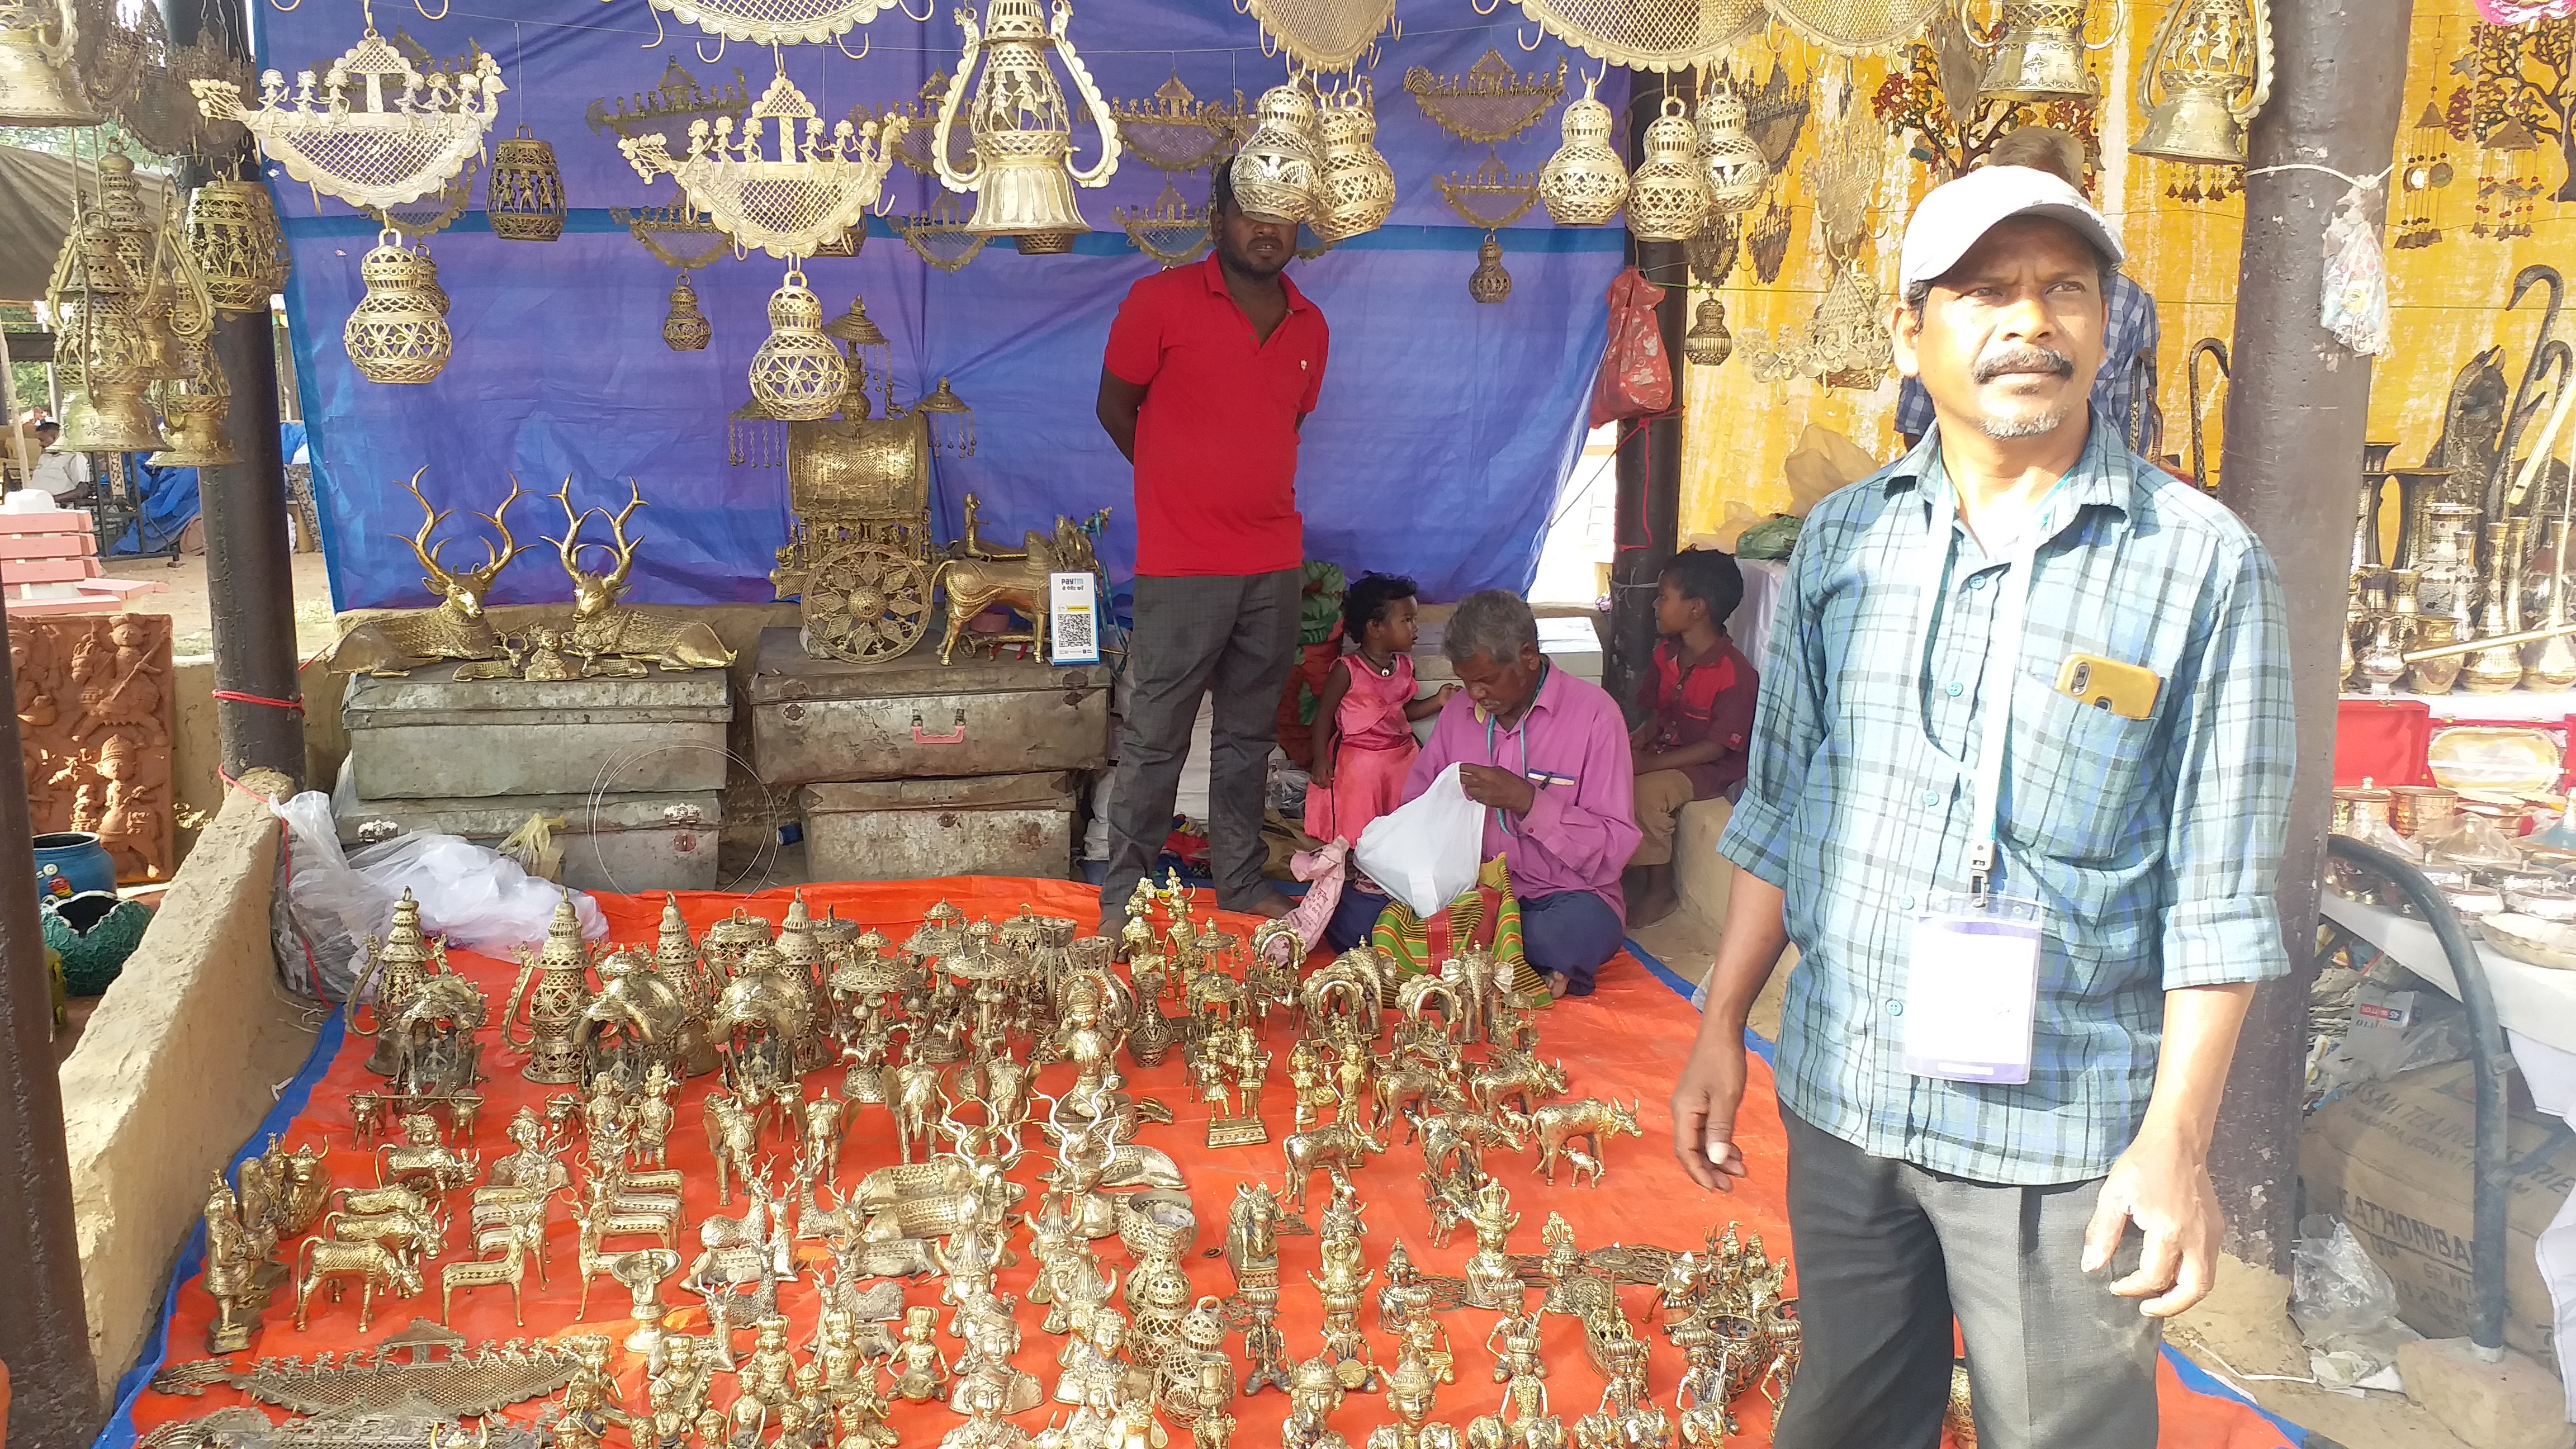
(37, 38)
(1021, 168)
(2037, 53)
(1491, 103)
(940, 236)
(1584, 183)
(524, 195)
(1489, 283)
(1726, 154)
(193, 410)
(1280, 164)
(2426, 170)
(679, 99)
(1662, 36)
(398, 332)
(952, 423)
(1171, 231)
(775, 22)
(1668, 197)
(96, 296)
(1176, 131)
(2212, 60)
(1708, 343)
(755, 437)
(240, 250)
(797, 374)
(375, 131)
(1044, 243)
(1492, 196)
(676, 234)
(1355, 188)
(1323, 35)
(788, 200)
(920, 117)
(685, 328)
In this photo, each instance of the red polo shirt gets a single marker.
(1216, 441)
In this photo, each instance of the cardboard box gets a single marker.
(2393, 1159)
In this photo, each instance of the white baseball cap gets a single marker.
(1949, 221)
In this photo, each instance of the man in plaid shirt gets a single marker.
(2122, 636)
(2129, 334)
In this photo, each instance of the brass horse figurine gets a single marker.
(977, 582)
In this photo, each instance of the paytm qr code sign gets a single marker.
(1073, 618)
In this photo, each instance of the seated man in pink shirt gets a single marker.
(1548, 754)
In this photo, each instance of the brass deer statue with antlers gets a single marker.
(615, 639)
(456, 628)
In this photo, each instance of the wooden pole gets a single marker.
(1649, 461)
(2297, 405)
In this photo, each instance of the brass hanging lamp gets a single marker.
(1584, 183)
(398, 331)
(2037, 53)
(237, 244)
(685, 327)
(1489, 283)
(797, 375)
(1355, 188)
(1726, 154)
(96, 294)
(1668, 197)
(37, 38)
(1276, 171)
(2208, 71)
(1708, 343)
(1021, 168)
(524, 195)
(193, 413)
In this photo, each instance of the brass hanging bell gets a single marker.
(1021, 165)
(524, 195)
(1668, 196)
(234, 236)
(1276, 171)
(1355, 188)
(685, 328)
(193, 412)
(36, 85)
(96, 295)
(1489, 283)
(2211, 60)
(1708, 343)
(797, 375)
(1727, 157)
(398, 331)
(1584, 183)
(2040, 56)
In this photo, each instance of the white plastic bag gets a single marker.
(1425, 852)
(479, 899)
(2354, 305)
(326, 908)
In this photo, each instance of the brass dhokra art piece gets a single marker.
(1324, 35)
(2037, 53)
(1280, 165)
(976, 581)
(2208, 72)
(796, 375)
(1171, 231)
(1354, 186)
(785, 196)
(600, 636)
(1020, 167)
(1176, 131)
(1668, 196)
(94, 707)
(455, 628)
(679, 98)
(1726, 153)
(1584, 183)
(561, 972)
(398, 331)
(373, 131)
(422, 1369)
(775, 22)
(1488, 104)
(107, 292)
(238, 246)
(37, 87)
(858, 557)
(524, 194)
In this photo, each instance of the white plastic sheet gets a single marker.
(1425, 852)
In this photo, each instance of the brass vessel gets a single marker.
(553, 1010)
(1584, 183)
(1668, 196)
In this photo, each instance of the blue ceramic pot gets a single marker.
(69, 862)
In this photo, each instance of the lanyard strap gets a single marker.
(2003, 655)
(1522, 730)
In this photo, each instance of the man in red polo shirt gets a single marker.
(1210, 372)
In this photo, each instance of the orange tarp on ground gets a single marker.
(1623, 1043)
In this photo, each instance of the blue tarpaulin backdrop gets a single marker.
(1444, 429)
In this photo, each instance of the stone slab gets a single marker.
(818, 720)
(2512, 1404)
(432, 737)
(625, 842)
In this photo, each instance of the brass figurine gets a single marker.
(975, 584)
(395, 644)
(1558, 1126)
(1411, 1391)
(1334, 1149)
(324, 1263)
(561, 970)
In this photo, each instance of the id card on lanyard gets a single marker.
(1972, 963)
(1487, 715)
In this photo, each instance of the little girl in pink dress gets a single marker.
(1363, 720)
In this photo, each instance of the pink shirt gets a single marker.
(1573, 742)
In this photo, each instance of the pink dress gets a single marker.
(1373, 749)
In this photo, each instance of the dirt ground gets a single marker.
(191, 610)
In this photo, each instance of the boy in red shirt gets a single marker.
(1699, 698)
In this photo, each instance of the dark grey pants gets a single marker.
(1236, 634)
(1888, 1252)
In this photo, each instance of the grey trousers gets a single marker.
(1237, 634)
(1888, 1252)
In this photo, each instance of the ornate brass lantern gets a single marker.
(2212, 59)
(524, 195)
(36, 87)
(1021, 170)
(398, 331)
(97, 292)
(1708, 343)
(2038, 53)
(858, 559)
(797, 374)
(234, 237)
(1355, 188)
(1489, 283)
(1726, 154)
(1584, 183)
(685, 328)
(1276, 172)
(1668, 197)
(193, 410)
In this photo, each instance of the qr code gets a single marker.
(1073, 636)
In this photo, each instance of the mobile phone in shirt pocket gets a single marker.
(2080, 775)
